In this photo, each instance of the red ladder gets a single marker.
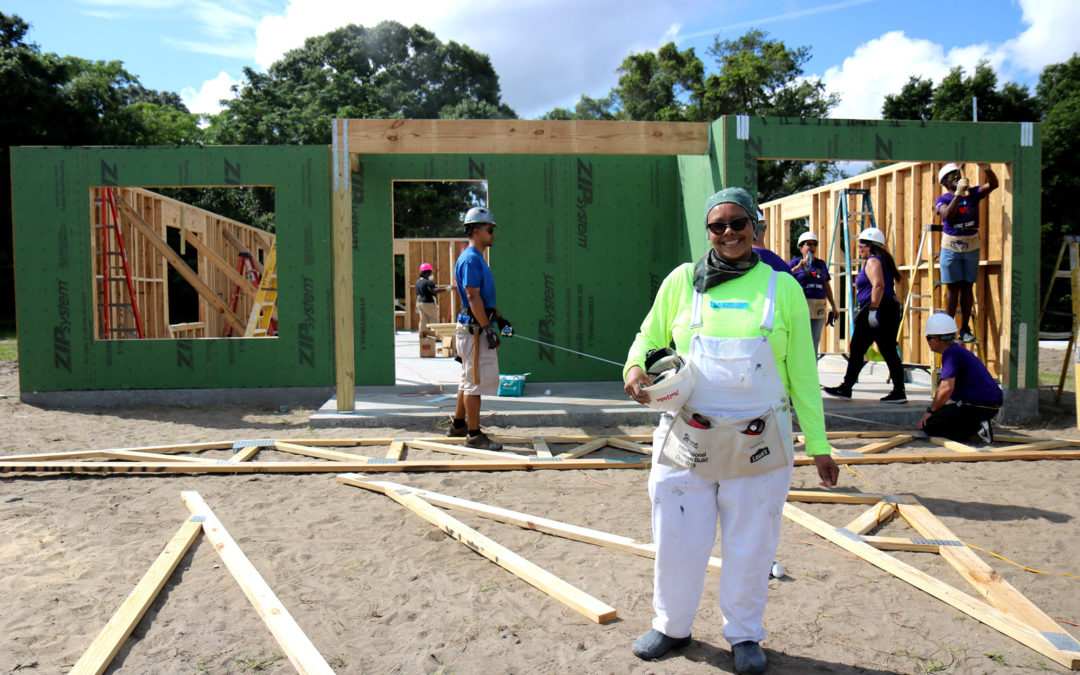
(245, 268)
(110, 232)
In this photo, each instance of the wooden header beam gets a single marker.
(526, 137)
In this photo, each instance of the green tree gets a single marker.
(919, 99)
(65, 100)
(914, 102)
(586, 109)
(434, 208)
(666, 86)
(356, 72)
(754, 76)
(762, 77)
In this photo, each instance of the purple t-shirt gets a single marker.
(812, 280)
(973, 381)
(772, 260)
(966, 220)
(864, 287)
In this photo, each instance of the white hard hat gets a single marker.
(479, 214)
(874, 235)
(945, 171)
(807, 236)
(673, 380)
(940, 323)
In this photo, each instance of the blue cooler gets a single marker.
(511, 385)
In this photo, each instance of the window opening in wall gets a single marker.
(171, 262)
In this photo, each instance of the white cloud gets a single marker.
(206, 100)
(883, 65)
(1051, 35)
(545, 52)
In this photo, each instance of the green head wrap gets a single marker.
(740, 196)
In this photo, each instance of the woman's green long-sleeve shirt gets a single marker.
(734, 309)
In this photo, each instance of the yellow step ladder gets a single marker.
(261, 323)
(1070, 244)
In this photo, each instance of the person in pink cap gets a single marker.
(426, 290)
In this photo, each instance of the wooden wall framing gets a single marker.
(442, 253)
(902, 197)
(218, 258)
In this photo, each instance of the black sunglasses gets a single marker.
(810, 243)
(737, 225)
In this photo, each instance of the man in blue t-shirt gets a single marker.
(968, 397)
(959, 211)
(476, 339)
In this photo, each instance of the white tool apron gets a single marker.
(738, 375)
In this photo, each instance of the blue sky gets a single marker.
(548, 52)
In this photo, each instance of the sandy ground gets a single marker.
(377, 589)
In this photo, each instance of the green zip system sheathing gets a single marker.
(582, 245)
(583, 242)
(54, 313)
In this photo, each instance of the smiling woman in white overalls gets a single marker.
(726, 453)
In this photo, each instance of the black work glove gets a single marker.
(831, 320)
(492, 337)
(505, 327)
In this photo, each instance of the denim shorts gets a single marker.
(959, 266)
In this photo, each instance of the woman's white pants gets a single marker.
(685, 510)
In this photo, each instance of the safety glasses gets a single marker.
(810, 243)
(737, 225)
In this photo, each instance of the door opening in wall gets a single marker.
(429, 233)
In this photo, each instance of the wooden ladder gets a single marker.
(261, 323)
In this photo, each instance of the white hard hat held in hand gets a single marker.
(673, 379)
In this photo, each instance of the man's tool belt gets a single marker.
(466, 317)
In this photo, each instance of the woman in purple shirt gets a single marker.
(813, 275)
(968, 397)
(878, 318)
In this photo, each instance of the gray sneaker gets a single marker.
(749, 658)
(481, 442)
(654, 644)
(986, 432)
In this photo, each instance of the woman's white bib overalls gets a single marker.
(733, 377)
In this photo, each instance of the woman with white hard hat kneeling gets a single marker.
(968, 397)
(723, 448)
(878, 319)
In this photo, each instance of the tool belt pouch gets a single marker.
(819, 307)
(731, 447)
(960, 243)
